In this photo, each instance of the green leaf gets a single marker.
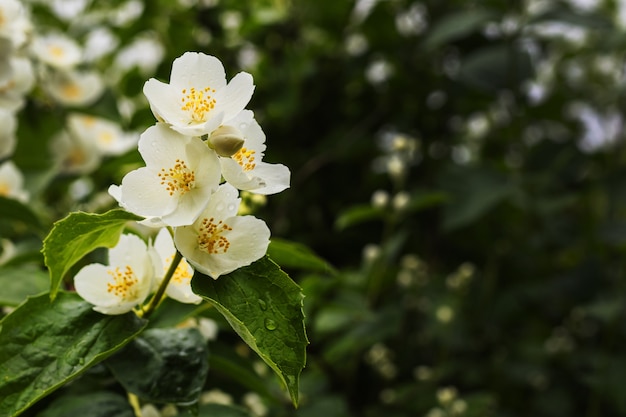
(295, 255)
(457, 26)
(19, 282)
(473, 192)
(45, 344)
(220, 410)
(496, 67)
(12, 210)
(358, 214)
(163, 365)
(97, 404)
(225, 361)
(264, 306)
(78, 234)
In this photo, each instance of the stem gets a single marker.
(134, 403)
(159, 294)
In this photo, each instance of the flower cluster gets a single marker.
(204, 148)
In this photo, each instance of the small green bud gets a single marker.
(226, 140)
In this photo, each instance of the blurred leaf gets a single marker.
(78, 234)
(264, 306)
(224, 360)
(12, 210)
(18, 282)
(358, 214)
(45, 344)
(496, 67)
(163, 365)
(289, 254)
(473, 192)
(456, 26)
(97, 404)
(221, 410)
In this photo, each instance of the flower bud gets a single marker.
(226, 140)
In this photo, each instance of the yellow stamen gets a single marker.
(210, 239)
(4, 189)
(179, 178)
(56, 51)
(245, 158)
(125, 282)
(198, 102)
(70, 90)
(181, 275)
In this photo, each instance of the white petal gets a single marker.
(234, 174)
(223, 203)
(194, 69)
(165, 102)
(143, 194)
(91, 284)
(276, 178)
(130, 250)
(233, 98)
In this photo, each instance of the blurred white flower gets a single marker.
(21, 81)
(8, 125)
(245, 169)
(600, 130)
(108, 136)
(180, 174)
(216, 396)
(73, 155)
(14, 22)
(100, 42)
(68, 9)
(219, 241)
(179, 287)
(378, 71)
(12, 182)
(75, 88)
(198, 99)
(57, 50)
(412, 21)
(144, 52)
(355, 44)
(124, 283)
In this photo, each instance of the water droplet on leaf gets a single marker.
(270, 324)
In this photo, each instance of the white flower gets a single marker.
(144, 52)
(219, 241)
(180, 175)
(124, 283)
(57, 50)
(73, 154)
(108, 136)
(12, 182)
(179, 287)
(13, 21)
(8, 126)
(198, 99)
(12, 91)
(75, 88)
(245, 169)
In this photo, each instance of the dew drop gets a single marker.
(219, 207)
(243, 125)
(231, 207)
(262, 305)
(270, 324)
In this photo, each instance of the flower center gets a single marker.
(4, 190)
(198, 102)
(57, 51)
(70, 90)
(210, 239)
(105, 138)
(124, 283)
(179, 178)
(181, 275)
(245, 158)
